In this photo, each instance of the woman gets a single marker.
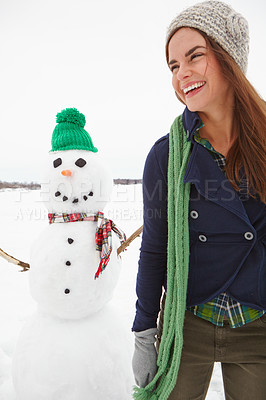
(204, 221)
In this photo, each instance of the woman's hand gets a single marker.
(144, 361)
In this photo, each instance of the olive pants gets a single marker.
(241, 351)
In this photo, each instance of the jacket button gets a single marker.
(248, 235)
(194, 214)
(202, 238)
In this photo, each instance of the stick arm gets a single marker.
(13, 260)
(26, 266)
(129, 240)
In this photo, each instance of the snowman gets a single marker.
(74, 347)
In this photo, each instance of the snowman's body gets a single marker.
(64, 261)
(86, 359)
(74, 347)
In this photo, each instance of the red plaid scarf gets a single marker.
(103, 235)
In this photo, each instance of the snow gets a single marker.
(23, 217)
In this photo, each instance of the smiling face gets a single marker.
(76, 181)
(196, 74)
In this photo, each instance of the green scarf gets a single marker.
(177, 269)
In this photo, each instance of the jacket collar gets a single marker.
(207, 177)
(191, 122)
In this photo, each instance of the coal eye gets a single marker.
(80, 162)
(57, 162)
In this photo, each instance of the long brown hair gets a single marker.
(247, 155)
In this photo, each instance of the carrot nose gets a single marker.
(66, 172)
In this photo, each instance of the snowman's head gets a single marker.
(76, 179)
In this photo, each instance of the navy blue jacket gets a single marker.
(227, 234)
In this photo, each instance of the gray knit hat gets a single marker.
(221, 23)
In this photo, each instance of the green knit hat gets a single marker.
(69, 133)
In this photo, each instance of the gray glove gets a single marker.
(144, 361)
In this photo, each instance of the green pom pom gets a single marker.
(71, 115)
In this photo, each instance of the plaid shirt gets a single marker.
(223, 307)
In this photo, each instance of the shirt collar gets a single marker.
(191, 122)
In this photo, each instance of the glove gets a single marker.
(144, 361)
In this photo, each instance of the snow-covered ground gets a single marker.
(22, 217)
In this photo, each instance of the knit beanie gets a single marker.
(221, 23)
(69, 133)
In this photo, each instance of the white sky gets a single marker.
(105, 58)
